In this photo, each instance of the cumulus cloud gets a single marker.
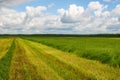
(33, 20)
(116, 11)
(70, 15)
(35, 11)
(95, 6)
(7, 3)
(95, 18)
(76, 19)
(79, 14)
(13, 18)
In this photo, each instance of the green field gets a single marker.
(59, 58)
(105, 50)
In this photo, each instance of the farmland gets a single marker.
(59, 58)
(105, 50)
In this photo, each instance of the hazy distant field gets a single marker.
(59, 58)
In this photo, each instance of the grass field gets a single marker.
(105, 50)
(22, 59)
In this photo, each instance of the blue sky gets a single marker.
(59, 16)
(62, 4)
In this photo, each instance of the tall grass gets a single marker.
(105, 50)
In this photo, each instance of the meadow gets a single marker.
(59, 58)
(105, 50)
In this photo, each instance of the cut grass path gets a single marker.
(21, 67)
(4, 47)
(27, 66)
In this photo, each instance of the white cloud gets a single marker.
(33, 20)
(35, 11)
(7, 3)
(94, 19)
(116, 11)
(70, 15)
(79, 14)
(109, 0)
(95, 6)
(51, 5)
(76, 19)
(13, 18)
(61, 11)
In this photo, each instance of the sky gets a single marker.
(59, 16)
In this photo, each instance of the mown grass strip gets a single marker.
(64, 70)
(5, 63)
(21, 68)
(43, 69)
(4, 46)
